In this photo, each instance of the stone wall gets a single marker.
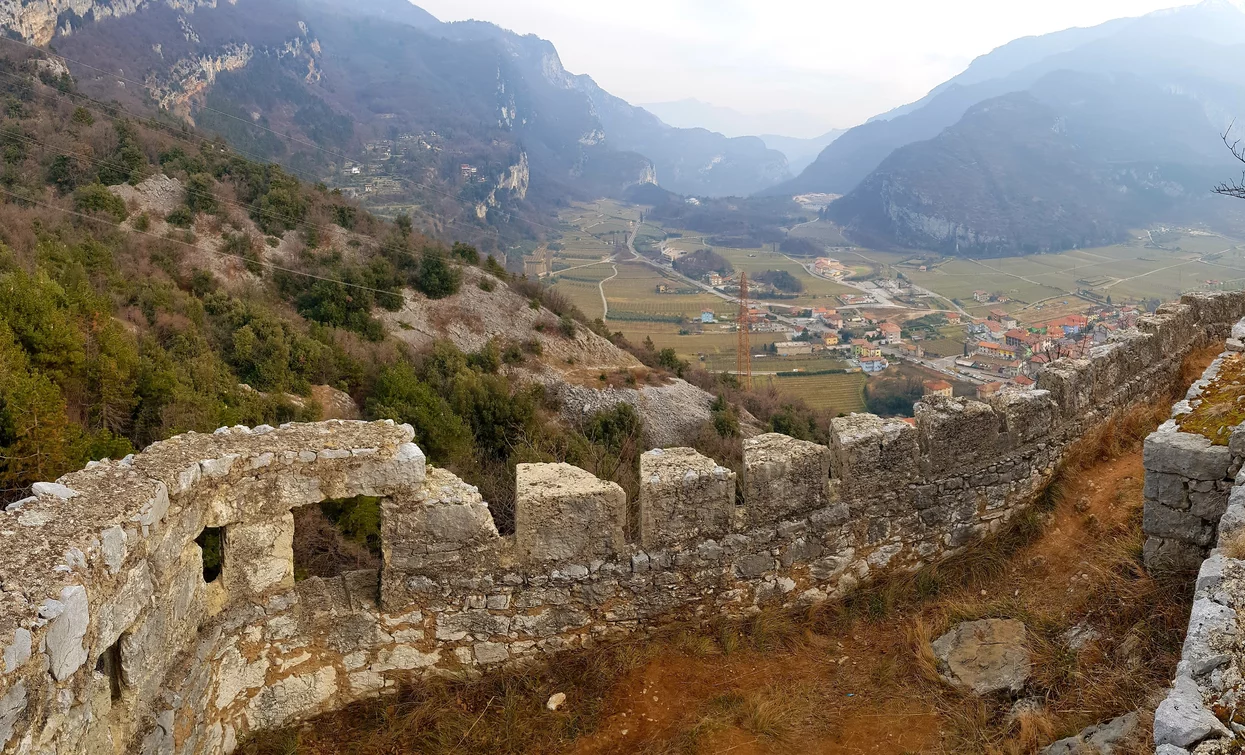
(113, 642)
(1195, 514)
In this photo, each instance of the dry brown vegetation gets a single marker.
(852, 676)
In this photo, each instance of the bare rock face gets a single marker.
(985, 656)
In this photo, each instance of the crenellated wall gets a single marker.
(113, 642)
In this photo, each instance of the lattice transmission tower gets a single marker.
(743, 356)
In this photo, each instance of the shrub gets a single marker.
(182, 217)
(97, 198)
(465, 252)
(436, 278)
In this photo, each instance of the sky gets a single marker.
(803, 66)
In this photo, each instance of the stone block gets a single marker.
(563, 513)
(1160, 521)
(784, 478)
(870, 453)
(1185, 454)
(441, 526)
(258, 557)
(1182, 718)
(684, 497)
(70, 615)
(955, 433)
(1026, 415)
(1070, 384)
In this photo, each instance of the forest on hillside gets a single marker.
(121, 326)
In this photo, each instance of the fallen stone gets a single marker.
(556, 700)
(985, 656)
(1099, 739)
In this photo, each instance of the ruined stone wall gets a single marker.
(113, 642)
(1195, 517)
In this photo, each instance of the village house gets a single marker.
(891, 333)
(1002, 318)
(989, 389)
(938, 388)
(673, 254)
(708, 316)
(953, 318)
(830, 339)
(981, 296)
(716, 280)
(912, 350)
(864, 349)
(873, 364)
(1024, 381)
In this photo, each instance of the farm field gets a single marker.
(838, 393)
(1133, 271)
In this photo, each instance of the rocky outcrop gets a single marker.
(38, 21)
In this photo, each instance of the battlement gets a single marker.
(114, 641)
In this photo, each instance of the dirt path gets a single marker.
(605, 305)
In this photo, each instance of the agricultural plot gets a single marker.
(837, 393)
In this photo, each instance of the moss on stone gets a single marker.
(1222, 404)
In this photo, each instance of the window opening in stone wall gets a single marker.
(212, 541)
(109, 664)
(336, 536)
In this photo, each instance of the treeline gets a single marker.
(700, 263)
(734, 222)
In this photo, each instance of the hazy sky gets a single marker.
(840, 61)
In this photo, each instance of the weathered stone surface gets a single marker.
(1182, 719)
(259, 556)
(684, 497)
(1099, 739)
(70, 616)
(955, 432)
(1187, 455)
(1026, 414)
(564, 513)
(442, 525)
(986, 656)
(1204, 648)
(870, 453)
(784, 478)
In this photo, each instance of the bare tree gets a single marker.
(1233, 188)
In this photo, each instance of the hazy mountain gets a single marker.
(801, 153)
(384, 77)
(1073, 161)
(1179, 47)
(692, 113)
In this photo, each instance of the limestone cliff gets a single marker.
(38, 21)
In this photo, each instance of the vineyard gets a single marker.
(838, 393)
